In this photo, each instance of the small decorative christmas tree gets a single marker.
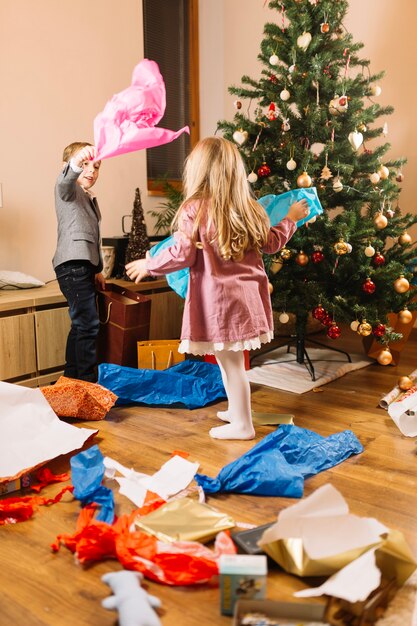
(138, 239)
(312, 119)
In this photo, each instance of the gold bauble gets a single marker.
(270, 287)
(364, 329)
(304, 180)
(405, 383)
(405, 316)
(276, 265)
(384, 357)
(354, 326)
(301, 258)
(401, 285)
(341, 247)
(285, 254)
(404, 239)
(380, 220)
(383, 172)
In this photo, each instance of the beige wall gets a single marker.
(61, 61)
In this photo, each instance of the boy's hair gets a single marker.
(72, 149)
(216, 177)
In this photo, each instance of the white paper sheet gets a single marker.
(353, 583)
(30, 431)
(174, 476)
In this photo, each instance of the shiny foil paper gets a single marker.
(185, 519)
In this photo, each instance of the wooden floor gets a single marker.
(39, 588)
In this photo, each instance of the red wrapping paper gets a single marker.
(176, 563)
(77, 398)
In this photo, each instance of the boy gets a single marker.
(77, 261)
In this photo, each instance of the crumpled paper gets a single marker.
(71, 397)
(174, 476)
(276, 206)
(319, 537)
(176, 563)
(278, 464)
(185, 519)
(30, 432)
(128, 121)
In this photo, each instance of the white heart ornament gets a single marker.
(355, 139)
(240, 136)
(304, 40)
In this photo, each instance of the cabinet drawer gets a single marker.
(52, 327)
(17, 346)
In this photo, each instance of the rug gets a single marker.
(280, 369)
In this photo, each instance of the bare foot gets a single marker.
(233, 431)
(224, 416)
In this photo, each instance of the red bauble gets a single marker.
(369, 286)
(378, 260)
(264, 170)
(327, 320)
(317, 256)
(334, 331)
(318, 312)
(378, 330)
(273, 78)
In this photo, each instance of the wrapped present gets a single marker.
(319, 537)
(77, 398)
(374, 347)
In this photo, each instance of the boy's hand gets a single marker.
(88, 153)
(100, 282)
(298, 210)
(136, 270)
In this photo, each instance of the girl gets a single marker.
(220, 234)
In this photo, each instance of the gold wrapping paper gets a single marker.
(184, 519)
(393, 557)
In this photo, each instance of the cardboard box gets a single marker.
(281, 610)
(9, 487)
(241, 576)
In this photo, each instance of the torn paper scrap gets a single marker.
(30, 432)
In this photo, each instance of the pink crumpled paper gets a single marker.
(128, 121)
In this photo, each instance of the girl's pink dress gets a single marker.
(228, 305)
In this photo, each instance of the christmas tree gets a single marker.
(138, 239)
(313, 120)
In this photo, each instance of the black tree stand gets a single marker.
(299, 340)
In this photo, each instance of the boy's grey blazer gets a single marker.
(78, 218)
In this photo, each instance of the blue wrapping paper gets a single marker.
(279, 463)
(191, 383)
(276, 207)
(87, 471)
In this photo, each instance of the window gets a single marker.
(171, 39)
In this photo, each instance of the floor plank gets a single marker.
(40, 588)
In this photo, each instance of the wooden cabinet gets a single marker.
(17, 345)
(34, 325)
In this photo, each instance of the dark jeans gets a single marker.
(76, 281)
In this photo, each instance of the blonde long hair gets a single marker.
(215, 177)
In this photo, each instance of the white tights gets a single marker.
(236, 384)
